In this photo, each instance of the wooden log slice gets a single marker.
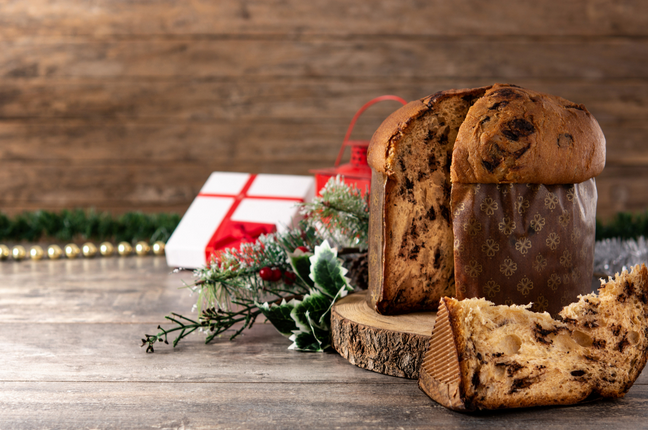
(392, 345)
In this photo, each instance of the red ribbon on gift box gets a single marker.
(231, 234)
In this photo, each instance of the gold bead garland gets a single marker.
(18, 252)
(5, 252)
(106, 249)
(36, 252)
(71, 250)
(158, 248)
(87, 250)
(54, 252)
(124, 249)
(142, 248)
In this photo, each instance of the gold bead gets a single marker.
(142, 248)
(72, 250)
(54, 252)
(89, 250)
(36, 253)
(5, 252)
(158, 248)
(18, 252)
(106, 249)
(124, 249)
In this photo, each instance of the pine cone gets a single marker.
(358, 266)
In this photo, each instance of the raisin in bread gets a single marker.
(483, 356)
(459, 148)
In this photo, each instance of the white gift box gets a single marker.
(233, 208)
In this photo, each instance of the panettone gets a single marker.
(490, 189)
(483, 356)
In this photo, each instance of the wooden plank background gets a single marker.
(130, 104)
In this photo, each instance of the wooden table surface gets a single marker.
(70, 355)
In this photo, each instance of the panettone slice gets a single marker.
(411, 262)
(483, 356)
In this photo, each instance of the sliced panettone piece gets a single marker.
(483, 356)
(411, 261)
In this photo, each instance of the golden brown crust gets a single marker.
(515, 135)
(390, 132)
(385, 139)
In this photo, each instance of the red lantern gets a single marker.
(357, 172)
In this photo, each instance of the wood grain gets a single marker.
(391, 345)
(622, 188)
(114, 141)
(127, 104)
(307, 139)
(310, 140)
(163, 185)
(336, 17)
(262, 406)
(320, 56)
(276, 98)
(71, 360)
(111, 352)
(102, 290)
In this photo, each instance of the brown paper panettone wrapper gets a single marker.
(522, 243)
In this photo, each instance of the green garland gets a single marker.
(624, 225)
(68, 225)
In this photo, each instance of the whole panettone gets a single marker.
(484, 192)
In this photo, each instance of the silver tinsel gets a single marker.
(614, 255)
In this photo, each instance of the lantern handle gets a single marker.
(345, 142)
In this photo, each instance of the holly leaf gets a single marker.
(311, 312)
(280, 315)
(299, 260)
(323, 335)
(307, 322)
(327, 272)
(305, 341)
(314, 338)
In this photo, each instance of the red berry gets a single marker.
(289, 277)
(276, 275)
(302, 248)
(266, 274)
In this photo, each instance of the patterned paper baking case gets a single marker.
(522, 243)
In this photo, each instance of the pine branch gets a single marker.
(235, 274)
(341, 214)
(230, 287)
(213, 320)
